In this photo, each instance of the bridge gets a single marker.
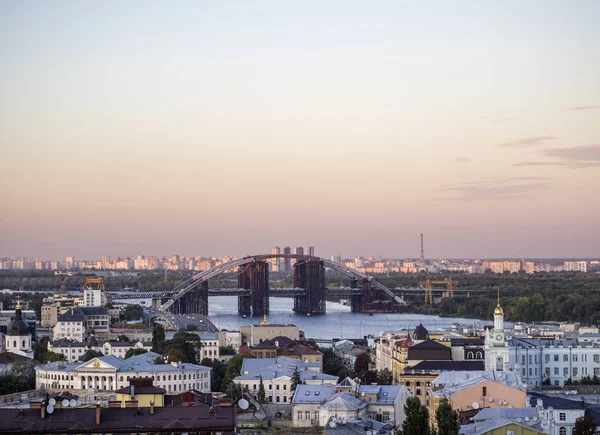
(309, 292)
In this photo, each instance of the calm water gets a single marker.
(339, 322)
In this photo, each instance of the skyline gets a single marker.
(228, 128)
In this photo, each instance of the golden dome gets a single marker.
(498, 310)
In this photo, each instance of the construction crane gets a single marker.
(448, 282)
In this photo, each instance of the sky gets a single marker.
(228, 127)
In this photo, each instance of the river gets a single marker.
(339, 322)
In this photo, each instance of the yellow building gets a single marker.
(142, 393)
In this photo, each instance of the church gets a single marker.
(496, 347)
(18, 338)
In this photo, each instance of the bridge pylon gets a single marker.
(310, 275)
(254, 277)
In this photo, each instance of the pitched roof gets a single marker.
(487, 426)
(270, 343)
(555, 402)
(509, 413)
(429, 345)
(344, 402)
(386, 394)
(460, 377)
(10, 357)
(313, 393)
(442, 366)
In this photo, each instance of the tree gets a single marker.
(361, 364)
(158, 338)
(191, 327)
(133, 312)
(234, 368)
(384, 377)
(217, 373)
(184, 347)
(134, 351)
(417, 418)
(226, 350)
(123, 338)
(447, 419)
(584, 426)
(90, 354)
(261, 396)
(296, 380)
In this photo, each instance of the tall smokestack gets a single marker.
(422, 250)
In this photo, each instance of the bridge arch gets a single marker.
(199, 282)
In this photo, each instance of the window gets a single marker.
(307, 415)
(575, 372)
(547, 358)
(522, 359)
(596, 358)
(254, 386)
(386, 416)
(562, 416)
(556, 372)
(277, 387)
(566, 371)
(596, 371)
(547, 371)
(284, 387)
(529, 372)
(479, 355)
(484, 391)
(529, 359)
(299, 415)
(270, 386)
(470, 355)
(575, 357)
(418, 391)
(565, 359)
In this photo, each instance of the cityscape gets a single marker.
(298, 218)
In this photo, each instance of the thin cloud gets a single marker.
(573, 157)
(462, 159)
(527, 142)
(578, 108)
(498, 188)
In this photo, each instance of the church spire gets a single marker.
(498, 309)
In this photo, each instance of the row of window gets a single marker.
(201, 375)
(271, 387)
(306, 413)
(556, 357)
(278, 399)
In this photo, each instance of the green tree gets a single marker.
(296, 380)
(191, 327)
(135, 351)
(217, 373)
(384, 377)
(234, 367)
(158, 338)
(361, 364)
(90, 354)
(261, 396)
(584, 426)
(447, 419)
(132, 312)
(417, 418)
(226, 350)
(123, 338)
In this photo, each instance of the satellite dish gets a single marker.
(65, 402)
(519, 419)
(526, 418)
(332, 424)
(475, 405)
(72, 402)
(534, 418)
(50, 409)
(243, 404)
(491, 399)
(52, 401)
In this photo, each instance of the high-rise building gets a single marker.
(299, 250)
(275, 262)
(105, 262)
(69, 262)
(310, 251)
(575, 266)
(287, 263)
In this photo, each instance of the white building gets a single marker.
(18, 338)
(230, 338)
(210, 345)
(276, 375)
(76, 323)
(575, 266)
(538, 360)
(94, 297)
(111, 373)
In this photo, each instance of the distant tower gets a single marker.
(299, 250)
(422, 250)
(275, 262)
(287, 263)
(310, 251)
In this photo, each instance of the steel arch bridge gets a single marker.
(253, 274)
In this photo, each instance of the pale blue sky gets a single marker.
(228, 127)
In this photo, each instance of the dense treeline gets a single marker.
(566, 296)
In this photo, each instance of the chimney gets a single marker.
(98, 415)
(151, 407)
